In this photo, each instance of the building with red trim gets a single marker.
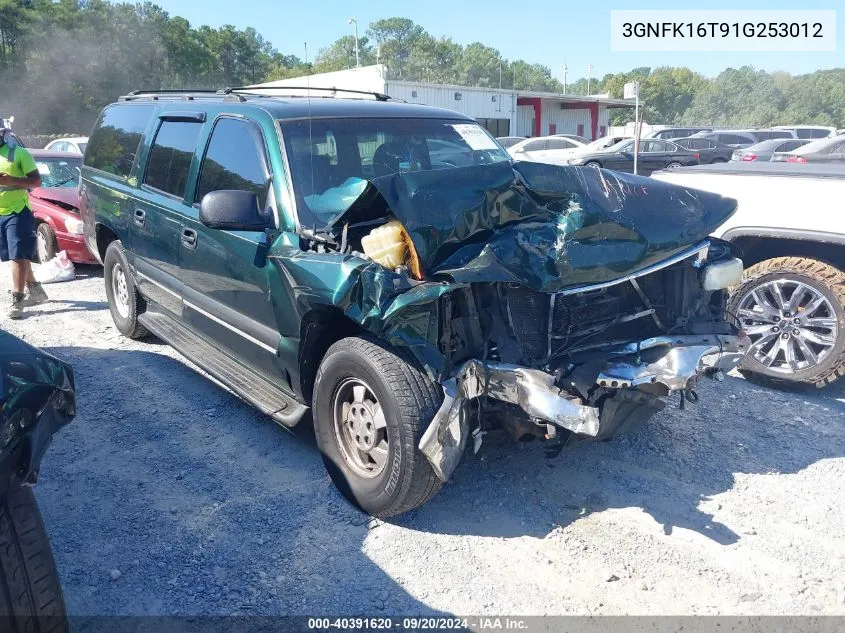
(503, 112)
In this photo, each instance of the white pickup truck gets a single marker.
(790, 226)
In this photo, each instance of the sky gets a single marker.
(550, 32)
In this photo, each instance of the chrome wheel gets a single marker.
(792, 325)
(673, 165)
(41, 244)
(360, 428)
(120, 291)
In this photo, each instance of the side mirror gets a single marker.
(232, 211)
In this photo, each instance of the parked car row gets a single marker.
(737, 137)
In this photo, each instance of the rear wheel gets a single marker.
(793, 309)
(371, 407)
(45, 241)
(31, 597)
(674, 165)
(125, 303)
(593, 163)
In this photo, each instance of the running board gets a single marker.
(245, 382)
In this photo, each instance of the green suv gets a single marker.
(387, 268)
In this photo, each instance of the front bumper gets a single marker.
(76, 248)
(668, 363)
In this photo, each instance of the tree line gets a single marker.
(62, 61)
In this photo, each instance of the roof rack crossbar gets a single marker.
(379, 96)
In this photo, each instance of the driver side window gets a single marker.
(235, 159)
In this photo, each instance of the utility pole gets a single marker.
(500, 75)
(565, 70)
(589, 77)
(354, 20)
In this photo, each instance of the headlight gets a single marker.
(74, 226)
(722, 274)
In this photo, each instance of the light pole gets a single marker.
(354, 21)
(589, 77)
(565, 70)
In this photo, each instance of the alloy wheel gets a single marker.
(792, 325)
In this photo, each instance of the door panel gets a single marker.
(156, 216)
(226, 272)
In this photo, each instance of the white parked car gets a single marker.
(75, 144)
(598, 145)
(554, 150)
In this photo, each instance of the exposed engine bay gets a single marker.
(565, 303)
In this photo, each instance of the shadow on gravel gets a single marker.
(666, 468)
(66, 306)
(169, 496)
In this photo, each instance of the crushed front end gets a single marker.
(585, 362)
(561, 303)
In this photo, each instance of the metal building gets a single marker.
(502, 112)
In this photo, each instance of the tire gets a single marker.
(593, 163)
(408, 400)
(47, 247)
(31, 597)
(125, 310)
(674, 165)
(825, 285)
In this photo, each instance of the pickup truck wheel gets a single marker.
(45, 241)
(125, 303)
(371, 406)
(30, 592)
(793, 309)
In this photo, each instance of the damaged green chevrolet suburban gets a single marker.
(387, 268)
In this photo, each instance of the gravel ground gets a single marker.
(168, 495)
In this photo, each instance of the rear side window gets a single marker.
(116, 137)
(534, 146)
(788, 146)
(813, 133)
(171, 155)
(734, 139)
(559, 143)
(235, 159)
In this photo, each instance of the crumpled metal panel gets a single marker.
(543, 226)
(37, 398)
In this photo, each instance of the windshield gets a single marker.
(332, 159)
(601, 143)
(620, 146)
(59, 172)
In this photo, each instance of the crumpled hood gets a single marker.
(543, 226)
(67, 195)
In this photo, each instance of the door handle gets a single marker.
(140, 217)
(189, 238)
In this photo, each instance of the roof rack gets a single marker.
(379, 96)
(185, 95)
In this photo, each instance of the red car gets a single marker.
(55, 205)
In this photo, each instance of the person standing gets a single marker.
(18, 172)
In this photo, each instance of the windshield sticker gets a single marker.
(474, 136)
(43, 169)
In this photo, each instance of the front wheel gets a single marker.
(371, 406)
(31, 597)
(46, 244)
(125, 302)
(793, 309)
